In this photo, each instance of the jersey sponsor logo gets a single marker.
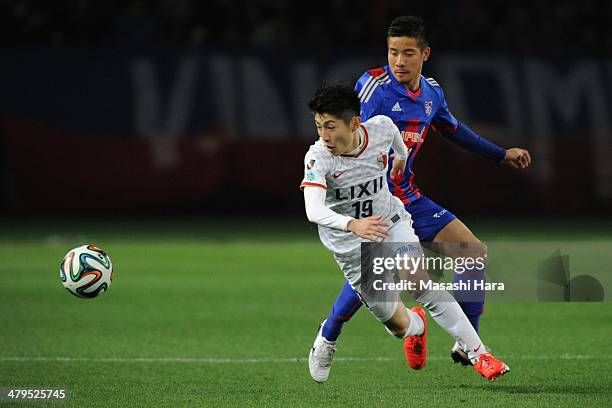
(412, 137)
(361, 190)
(310, 165)
(396, 107)
(428, 107)
(338, 174)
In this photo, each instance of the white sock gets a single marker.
(416, 327)
(445, 310)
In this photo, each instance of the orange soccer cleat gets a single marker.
(490, 367)
(415, 347)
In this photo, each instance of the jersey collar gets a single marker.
(364, 144)
(403, 89)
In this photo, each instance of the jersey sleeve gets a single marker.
(444, 121)
(316, 167)
(317, 212)
(393, 136)
(370, 94)
(397, 144)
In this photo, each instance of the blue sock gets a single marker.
(347, 304)
(470, 301)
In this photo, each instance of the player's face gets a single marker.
(338, 137)
(406, 59)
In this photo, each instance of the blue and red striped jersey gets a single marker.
(414, 113)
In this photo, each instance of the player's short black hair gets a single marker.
(338, 99)
(409, 26)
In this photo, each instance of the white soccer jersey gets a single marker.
(356, 184)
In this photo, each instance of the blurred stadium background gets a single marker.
(174, 106)
(172, 133)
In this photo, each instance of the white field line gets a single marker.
(266, 360)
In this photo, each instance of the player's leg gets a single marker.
(396, 319)
(320, 357)
(404, 323)
(445, 310)
(346, 305)
(456, 232)
(324, 347)
(411, 325)
(442, 307)
(433, 223)
(322, 352)
(429, 220)
(400, 321)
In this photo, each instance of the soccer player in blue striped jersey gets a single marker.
(416, 105)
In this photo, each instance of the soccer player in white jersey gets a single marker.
(346, 194)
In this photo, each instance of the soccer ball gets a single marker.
(86, 271)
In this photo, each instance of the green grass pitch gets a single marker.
(224, 313)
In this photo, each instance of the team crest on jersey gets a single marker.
(311, 176)
(382, 160)
(428, 107)
(310, 165)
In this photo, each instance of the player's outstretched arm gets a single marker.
(468, 139)
(400, 156)
(465, 137)
(371, 228)
(517, 158)
(318, 213)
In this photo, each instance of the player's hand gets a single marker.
(371, 228)
(517, 158)
(398, 168)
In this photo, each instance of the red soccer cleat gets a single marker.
(415, 347)
(490, 367)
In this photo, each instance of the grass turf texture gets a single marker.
(217, 314)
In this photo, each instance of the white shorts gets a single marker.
(404, 239)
